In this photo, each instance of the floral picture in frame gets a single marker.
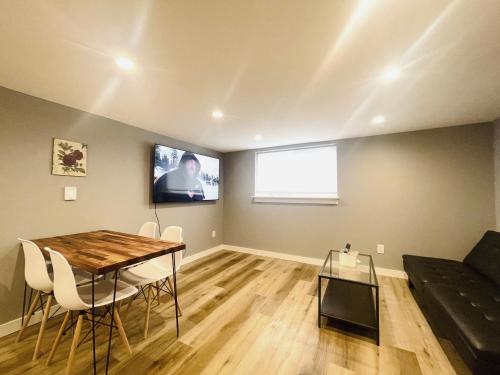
(69, 158)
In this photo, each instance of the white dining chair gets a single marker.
(39, 279)
(148, 229)
(79, 298)
(154, 273)
(171, 234)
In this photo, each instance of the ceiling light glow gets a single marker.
(377, 120)
(258, 137)
(217, 114)
(125, 63)
(391, 74)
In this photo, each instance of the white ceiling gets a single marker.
(292, 71)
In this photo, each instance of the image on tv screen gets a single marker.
(183, 176)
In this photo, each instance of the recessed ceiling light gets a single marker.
(217, 114)
(258, 137)
(125, 63)
(377, 120)
(391, 74)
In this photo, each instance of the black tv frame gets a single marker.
(152, 178)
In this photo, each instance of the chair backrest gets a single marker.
(35, 268)
(148, 230)
(171, 234)
(65, 289)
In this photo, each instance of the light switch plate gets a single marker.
(70, 193)
(380, 249)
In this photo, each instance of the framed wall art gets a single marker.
(69, 158)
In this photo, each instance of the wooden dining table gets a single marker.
(104, 251)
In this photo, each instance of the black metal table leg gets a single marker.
(175, 294)
(31, 296)
(24, 302)
(377, 306)
(112, 321)
(93, 325)
(319, 301)
(41, 302)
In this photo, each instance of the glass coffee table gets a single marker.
(349, 295)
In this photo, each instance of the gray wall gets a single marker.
(496, 146)
(114, 195)
(426, 192)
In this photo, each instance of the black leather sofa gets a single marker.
(461, 301)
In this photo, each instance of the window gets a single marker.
(299, 175)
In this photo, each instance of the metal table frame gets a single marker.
(352, 287)
(115, 273)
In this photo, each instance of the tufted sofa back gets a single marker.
(485, 256)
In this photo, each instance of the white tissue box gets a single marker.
(349, 260)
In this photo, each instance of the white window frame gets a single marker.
(328, 199)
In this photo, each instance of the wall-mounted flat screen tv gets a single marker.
(183, 176)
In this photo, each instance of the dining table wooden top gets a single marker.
(104, 251)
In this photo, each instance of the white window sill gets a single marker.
(297, 200)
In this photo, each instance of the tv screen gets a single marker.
(183, 176)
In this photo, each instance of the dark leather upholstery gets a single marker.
(462, 301)
(485, 256)
(470, 316)
(423, 270)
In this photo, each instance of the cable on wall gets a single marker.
(158, 221)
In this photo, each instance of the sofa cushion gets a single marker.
(485, 256)
(472, 316)
(423, 270)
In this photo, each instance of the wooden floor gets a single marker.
(245, 314)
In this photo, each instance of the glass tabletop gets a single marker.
(353, 268)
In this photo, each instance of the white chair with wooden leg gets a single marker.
(151, 273)
(39, 279)
(148, 229)
(171, 234)
(79, 298)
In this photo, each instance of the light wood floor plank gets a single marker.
(246, 314)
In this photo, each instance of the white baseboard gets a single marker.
(284, 256)
(15, 325)
(275, 254)
(391, 273)
(201, 254)
(314, 261)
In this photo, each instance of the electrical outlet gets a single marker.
(213, 234)
(380, 249)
